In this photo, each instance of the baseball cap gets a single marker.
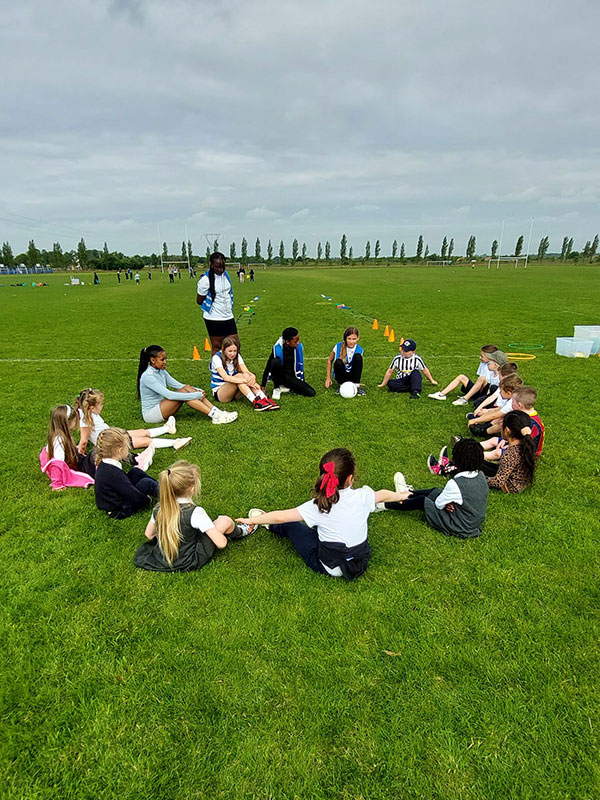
(409, 344)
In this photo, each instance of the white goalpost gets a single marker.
(507, 259)
(438, 262)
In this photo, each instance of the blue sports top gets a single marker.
(347, 361)
(153, 388)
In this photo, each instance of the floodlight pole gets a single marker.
(529, 242)
(500, 244)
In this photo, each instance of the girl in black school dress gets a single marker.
(121, 493)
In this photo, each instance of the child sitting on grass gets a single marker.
(118, 493)
(460, 508)
(408, 367)
(61, 445)
(285, 366)
(181, 536)
(523, 399)
(514, 472)
(470, 390)
(346, 360)
(330, 531)
(485, 421)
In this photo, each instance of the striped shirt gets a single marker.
(216, 381)
(404, 366)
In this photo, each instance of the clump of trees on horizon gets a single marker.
(92, 259)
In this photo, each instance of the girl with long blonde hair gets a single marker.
(181, 535)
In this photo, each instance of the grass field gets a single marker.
(450, 670)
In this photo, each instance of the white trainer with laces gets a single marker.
(171, 425)
(225, 417)
(379, 507)
(285, 389)
(400, 484)
(276, 394)
(255, 512)
(145, 458)
(461, 401)
(183, 442)
(437, 396)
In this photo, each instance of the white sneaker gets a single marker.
(254, 512)
(276, 394)
(285, 389)
(400, 484)
(379, 507)
(171, 425)
(225, 417)
(179, 443)
(145, 458)
(460, 402)
(437, 396)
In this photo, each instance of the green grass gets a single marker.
(450, 670)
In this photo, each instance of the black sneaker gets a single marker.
(479, 430)
(361, 392)
(414, 395)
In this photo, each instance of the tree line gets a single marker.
(91, 259)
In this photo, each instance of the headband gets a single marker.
(526, 431)
(330, 481)
(69, 409)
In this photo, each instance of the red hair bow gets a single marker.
(330, 480)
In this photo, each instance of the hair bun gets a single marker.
(526, 431)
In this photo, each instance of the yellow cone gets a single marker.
(386, 332)
(375, 326)
(196, 354)
(207, 345)
(401, 340)
(392, 337)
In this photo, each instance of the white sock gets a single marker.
(215, 412)
(157, 431)
(261, 394)
(251, 396)
(164, 443)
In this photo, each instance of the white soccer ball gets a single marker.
(348, 389)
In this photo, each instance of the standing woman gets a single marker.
(215, 296)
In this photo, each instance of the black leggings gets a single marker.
(291, 381)
(416, 500)
(353, 375)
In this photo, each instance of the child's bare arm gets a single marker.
(429, 377)
(477, 386)
(386, 378)
(150, 531)
(387, 496)
(329, 363)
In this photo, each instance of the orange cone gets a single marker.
(207, 345)
(386, 332)
(392, 337)
(196, 354)
(401, 340)
(375, 326)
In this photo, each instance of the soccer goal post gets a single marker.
(507, 259)
(439, 263)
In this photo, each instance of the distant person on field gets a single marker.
(149, 275)
(96, 279)
(214, 295)
(251, 274)
(285, 366)
(408, 367)
(137, 278)
(171, 275)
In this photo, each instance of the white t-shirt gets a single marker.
(58, 448)
(222, 307)
(346, 522)
(199, 519)
(506, 404)
(451, 493)
(98, 426)
(485, 372)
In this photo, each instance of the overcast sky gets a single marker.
(375, 118)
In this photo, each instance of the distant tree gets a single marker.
(165, 252)
(304, 251)
(281, 252)
(586, 249)
(57, 257)
(327, 251)
(207, 255)
(295, 250)
(471, 245)
(594, 247)
(519, 246)
(244, 251)
(350, 253)
(450, 248)
(257, 254)
(569, 247)
(216, 246)
(106, 259)
(343, 248)
(543, 247)
(269, 253)
(154, 260)
(444, 248)
(183, 251)
(494, 248)
(426, 251)
(367, 251)
(319, 251)
(402, 251)
(189, 251)
(394, 248)
(82, 254)
(33, 254)
(420, 247)
(232, 252)
(8, 258)
(565, 245)
(377, 248)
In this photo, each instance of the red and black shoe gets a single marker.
(261, 404)
(272, 404)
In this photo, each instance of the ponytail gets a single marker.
(334, 469)
(518, 424)
(180, 480)
(111, 443)
(146, 353)
(85, 402)
(344, 348)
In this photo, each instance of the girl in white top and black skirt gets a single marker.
(330, 531)
(215, 296)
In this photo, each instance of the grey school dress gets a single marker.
(467, 519)
(195, 549)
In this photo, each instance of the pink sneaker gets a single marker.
(433, 465)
